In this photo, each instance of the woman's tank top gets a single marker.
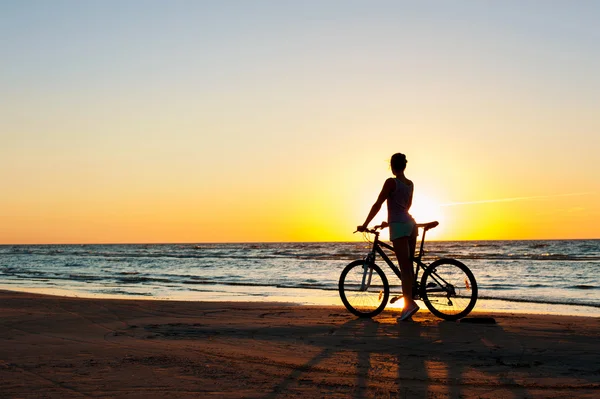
(398, 203)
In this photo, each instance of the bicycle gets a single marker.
(447, 288)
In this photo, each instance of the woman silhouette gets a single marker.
(398, 192)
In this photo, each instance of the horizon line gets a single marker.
(292, 242)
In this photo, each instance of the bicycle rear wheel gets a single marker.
(448, 289)
(364, 289)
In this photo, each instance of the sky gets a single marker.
(141, 121)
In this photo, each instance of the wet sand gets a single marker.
(59, 347)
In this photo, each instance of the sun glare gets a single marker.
(424, 209)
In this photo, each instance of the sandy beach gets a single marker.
(57, 347)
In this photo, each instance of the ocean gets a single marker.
(551, 277)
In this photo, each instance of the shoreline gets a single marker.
(305, 297)
(66, 347)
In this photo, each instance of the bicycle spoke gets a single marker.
(364, 290)
(450, 289)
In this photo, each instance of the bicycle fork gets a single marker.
(367, 272)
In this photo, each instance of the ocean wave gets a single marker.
(512, 257)
(498, 287)
(141, 279)
(539, 245)
(121, 292)
(583, 287)
(325, 256)
(83, 277)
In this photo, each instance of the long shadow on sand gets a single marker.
(426, 358)
(431, 359)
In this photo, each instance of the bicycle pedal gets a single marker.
(394, 299)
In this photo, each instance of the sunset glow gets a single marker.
(275, 121)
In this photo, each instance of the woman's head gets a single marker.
(398, 162)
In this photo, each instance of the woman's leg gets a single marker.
(403, 254)
(412, 242)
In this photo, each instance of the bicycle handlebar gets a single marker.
(383, 225)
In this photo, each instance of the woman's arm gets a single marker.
(388, 187)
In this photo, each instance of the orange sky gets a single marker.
(275, 122)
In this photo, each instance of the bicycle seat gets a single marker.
(428, 226)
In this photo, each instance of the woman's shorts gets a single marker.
(399, 230)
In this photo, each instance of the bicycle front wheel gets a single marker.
(364, 289)
(448, 289)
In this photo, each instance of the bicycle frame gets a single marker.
(377, 248)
